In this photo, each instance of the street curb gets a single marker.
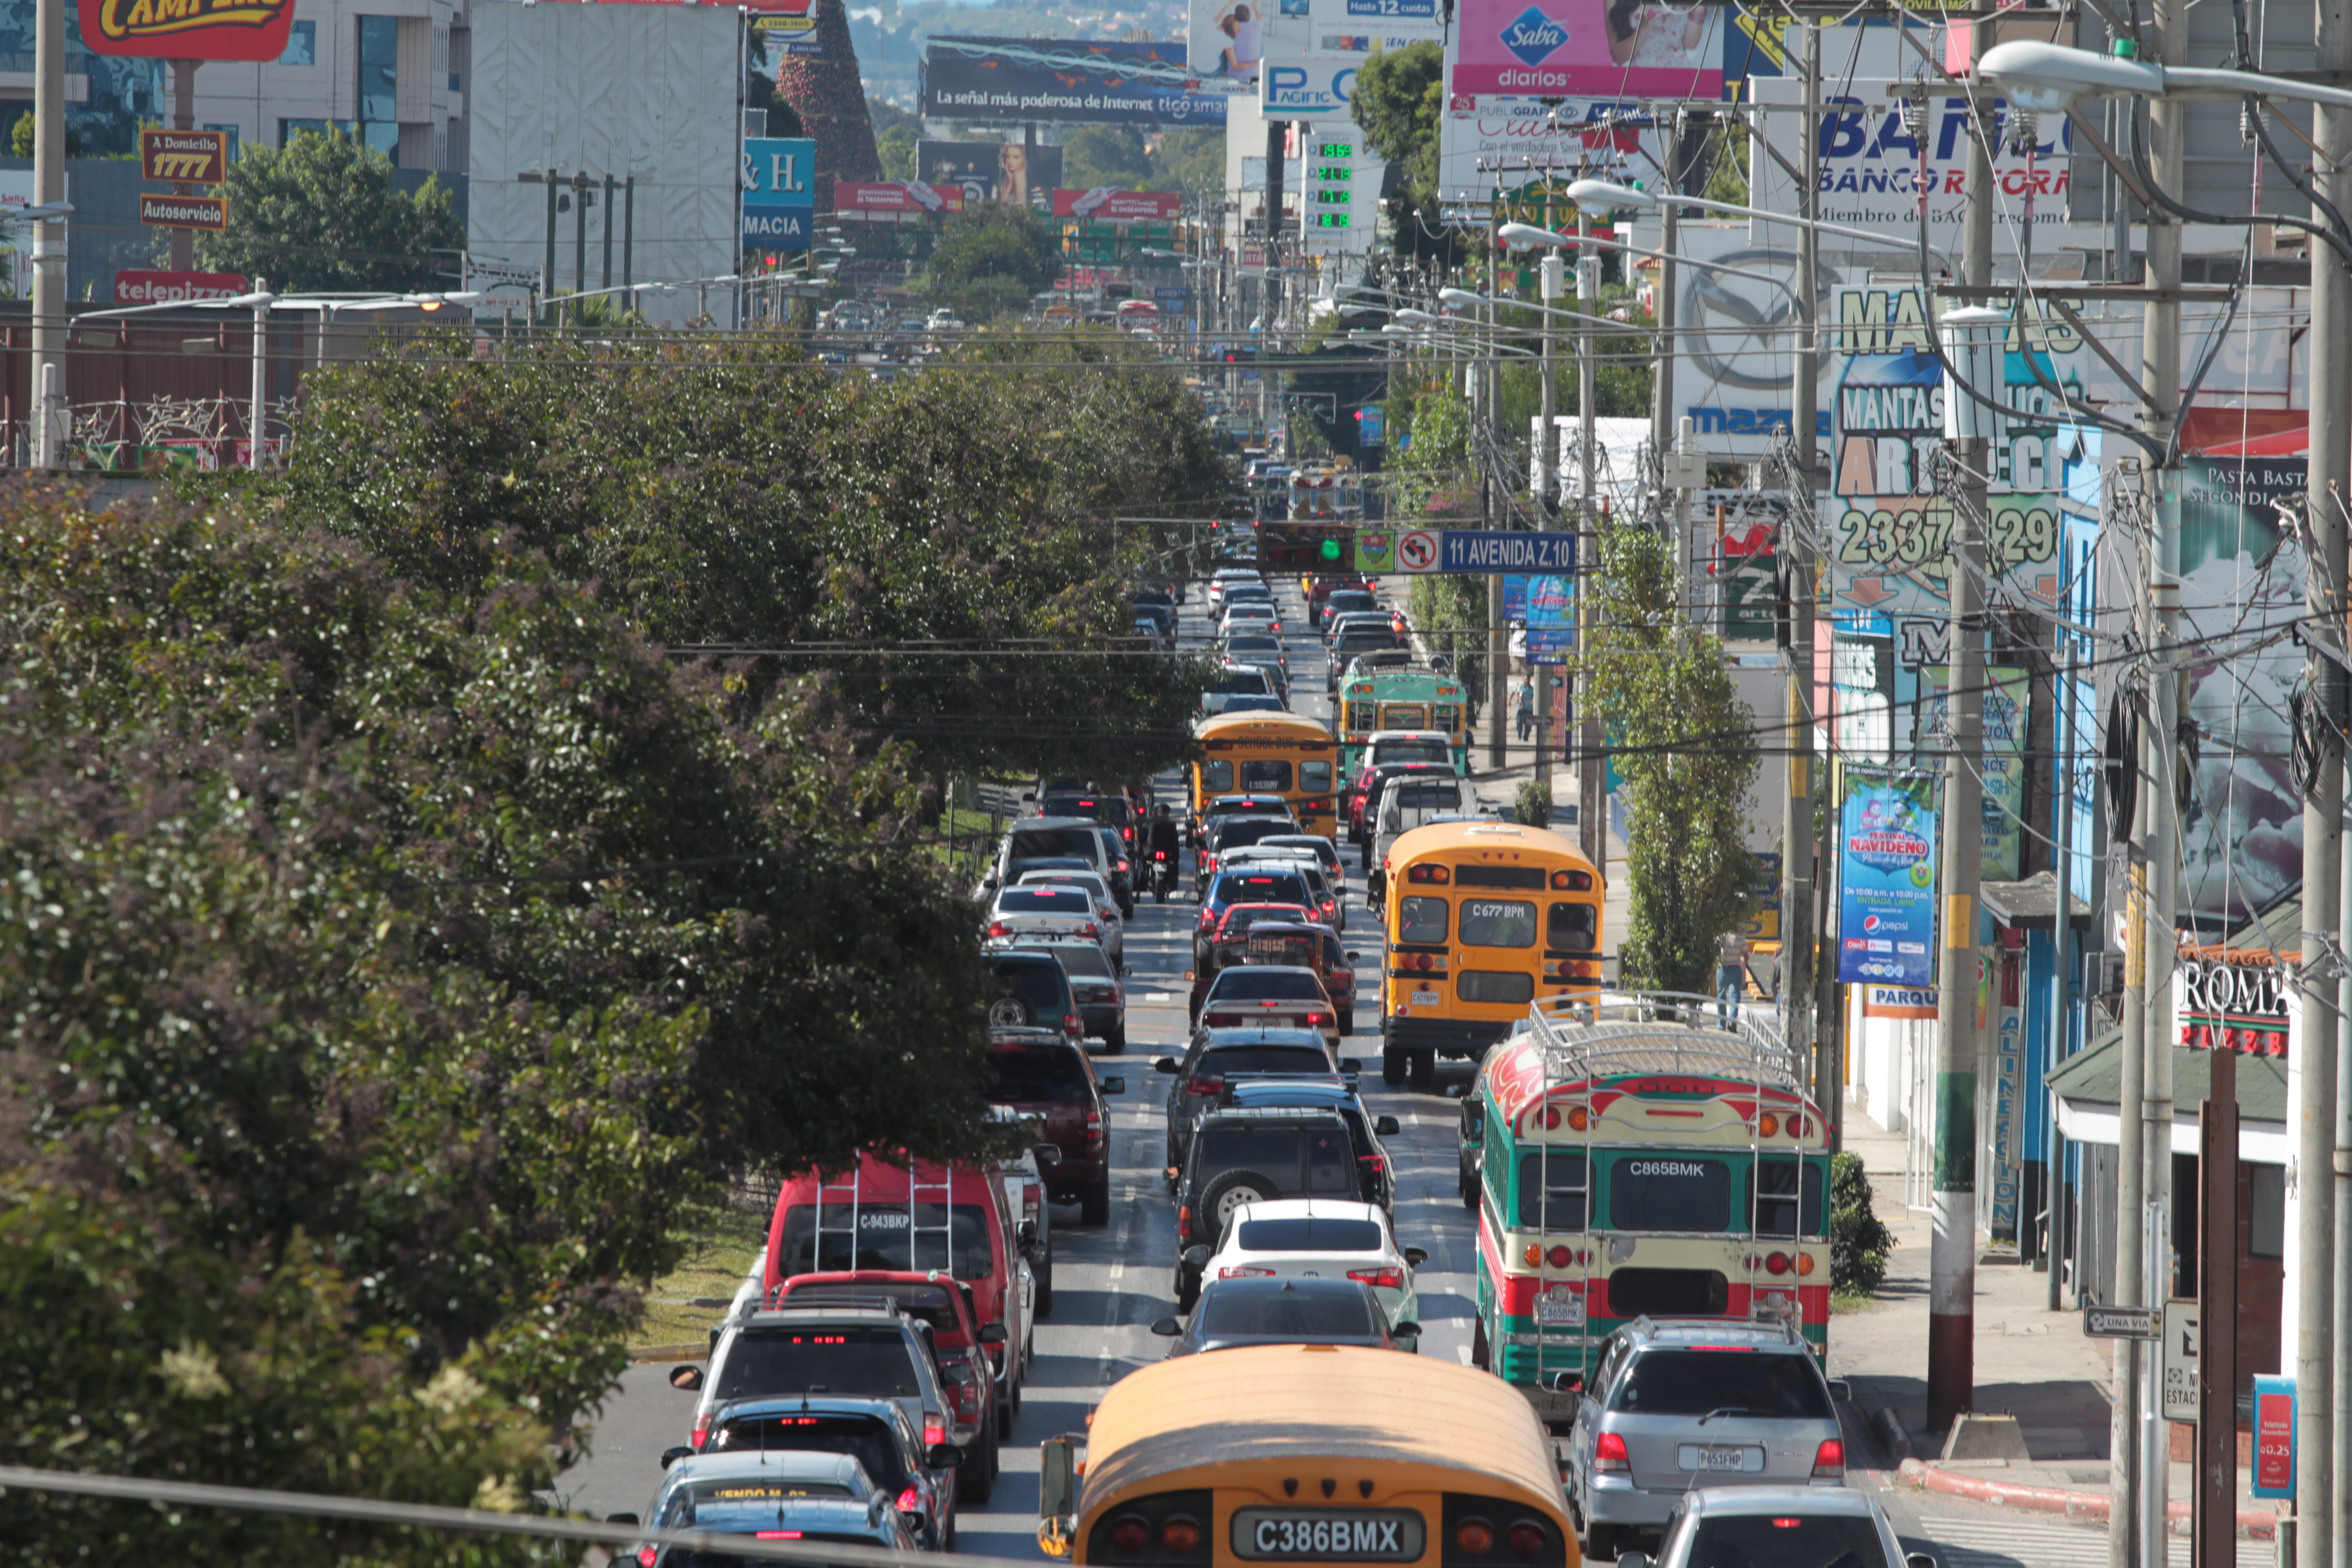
(1890, 1430)
(2083, 1507)
(668, 1352)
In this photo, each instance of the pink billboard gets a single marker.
(1562, 48)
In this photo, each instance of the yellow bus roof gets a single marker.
(1442, 837)
(1308, 1406)
(1241, 726)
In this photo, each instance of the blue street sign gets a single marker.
(1471, 550)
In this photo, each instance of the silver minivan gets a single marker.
(1679, 1402)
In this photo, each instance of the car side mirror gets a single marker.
(1353, 957)
(1188, 974)
(1165, 1064)
(672, 1455)
(1351, 1064)
(1028, 1233)
(990, 883)
(1114, 1084)
(1414, 1257)
(686, 1379)
(1028, 794)
(1633, 1559)
(943, 1456)
(991, 1335)
(621, 1519)
(1387, 1126)
(1048, 1155)
(1915, 1560)
(1196, 1257)
(1841, 1389)
(1168, 1328)
(1565, 1382)
(1408, 1330)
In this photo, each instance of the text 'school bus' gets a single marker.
(1641, 1153)
(1481, 919)
(1281, 1454)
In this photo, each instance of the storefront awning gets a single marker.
(2089, 1088)
(2032, 904)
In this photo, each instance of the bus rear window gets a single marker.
(1216, 776)
(1572, 928)
(1788, 1197)
(1554, 1194)
(1422, 919)
(1499, 922)
(1315, 778)
(1269, 773)
(878, 1236)
(1668, 1193)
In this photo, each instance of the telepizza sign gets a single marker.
(188, 29)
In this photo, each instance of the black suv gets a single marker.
(1241, 1156)
(1200, 1076)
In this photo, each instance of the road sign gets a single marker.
(182, 212)
(1473, 550)
(2120, 1322)
(1417, 550)
(2180, 1361)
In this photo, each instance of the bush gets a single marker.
(1859, 1240)
(1535, 803)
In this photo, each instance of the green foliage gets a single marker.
(1859, 1239)
(1621, 370)
(1398, 100)
(1686, 754)
(1105, 155)
(1434, 476)
(1727, 179)
(21, 136)
(895, 132)
(320, 214)
(1533, 805)
(1189, 160)
(760, 92)
(991, 257)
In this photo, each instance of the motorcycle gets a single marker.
(1163, 875)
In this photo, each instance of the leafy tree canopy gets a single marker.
(320, 214)
(1399, 99)
(1105, 155)
(1189, 160)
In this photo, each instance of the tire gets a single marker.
(1392, 1066)
(1463, 1185)
(947, 1538)
(1601, 1542)
(1424, 1069)
(1479, 1355)
(1010, 1013)
(1348, 1023)
(1094, 1204)
(1045, 1285)
(1232, 1188)
(1004, 1414)
(1114, 1041)
(976, 1476)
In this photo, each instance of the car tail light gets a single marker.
(967, 1400)
(998, 928)
(1828, 1460)
(1184, 1222)
(1529, 1540)
(1376, 1162)
(1609, 1456)
(1384, 1278)
(935, 1429)
(1243, 1271)
(775, 1536)
(702, 1432)
(1204, 1086)
(1073, 1026)
(910, 1501)
(1090, 930)
(1318, 1017)
(1094, 1126)
(1218, 1021)
(1033, 1195)
(645, 1555)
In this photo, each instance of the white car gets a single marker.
(1114, 937)
(1291, 857)
(1249, 615)
(1308, 1239)
(1226, 579)
(1033, 912)
(1325, 853)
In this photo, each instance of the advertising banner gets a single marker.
(1886, 878)
(502, 287)
(1108, 203)
(779, 191)
(1873, 169)
(1226, 38)
(789, 26)
(1475, 144)
(1068, 81)
(134, 286)
(895, 196)
(1736, 329)
(2273, 1435)
(1899, 1001)
(1551, 619)
(989, 171)
(1578, 48)
(175, 29)
(1310, 60)
(184, 157)
(2001, 772)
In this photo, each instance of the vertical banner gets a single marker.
(1886, 878)
(2273, 1435)
(1551, 619)
(2006, 701)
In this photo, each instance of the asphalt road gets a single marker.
(1112, 1281)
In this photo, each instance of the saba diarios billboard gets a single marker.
(1562, 48)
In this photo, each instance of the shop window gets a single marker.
(2266, 1211)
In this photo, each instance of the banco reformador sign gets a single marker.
(188, 29)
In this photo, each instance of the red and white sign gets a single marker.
(134, 286)
(1417, 550)
(1108, 203)
(895, 196)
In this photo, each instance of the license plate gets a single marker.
(1425, 999)
(1327, 1534)
(1719, 1458)
(1560, 1308)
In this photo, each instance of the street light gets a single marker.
(2046, 78)
(1598, 196)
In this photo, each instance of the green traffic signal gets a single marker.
(1329, 549)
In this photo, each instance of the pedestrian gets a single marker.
(1730, 973)
(1527, 701)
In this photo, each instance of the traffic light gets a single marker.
(1331, 551)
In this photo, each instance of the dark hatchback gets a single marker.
(1054, 1081)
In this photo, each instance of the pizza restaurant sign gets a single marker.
(2221, 1005)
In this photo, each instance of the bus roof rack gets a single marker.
(1612, 1032)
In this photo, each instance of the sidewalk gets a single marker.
(2030, 1363)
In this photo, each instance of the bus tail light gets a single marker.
(1182, 1533)
(1380, 1279)
(1767, 1125)
(1529, 1540)
(1799, 1127)
(1805, 1264)
(1534, 1254)
(1609, 1456)
(1437, 874)
(1777, 1263)
(1474, 1537)
(1828, 1460)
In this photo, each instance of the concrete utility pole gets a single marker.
(1952, 1265)
(49, 428)
(1498, 637)
(1591, 810)
(1797, 808)
(1548, 487)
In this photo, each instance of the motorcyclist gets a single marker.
(1166, 850)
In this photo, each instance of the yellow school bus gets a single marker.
(1271, 1454)
(1273, 755)
(1481, 919)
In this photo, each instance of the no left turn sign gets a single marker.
(1417, 550)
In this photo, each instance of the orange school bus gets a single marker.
(1270, 753)
(1267, 1455)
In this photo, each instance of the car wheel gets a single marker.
(1094, 1204)
(1392, 1066)
(1115, 1040)
(1478, 1353)
(1186, 1291)
(1348, 1023)
(1424, 1069)
(1232, 1190)
(1601, 1542)
(1045, 1286)
(976, 1476)
(1005, 1412)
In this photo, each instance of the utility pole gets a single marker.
(1801, 540)
(184, 118)
(1592, 812)
(1661, 406)
(2062, 957)
(49, 429)
(1498, 638)
(1547, 489)
(1952, 1265)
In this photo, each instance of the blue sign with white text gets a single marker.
(779, 191)
(1887, 879)
(1552, 615)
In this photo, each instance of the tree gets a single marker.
(1399, 100)
(991, 257)
(896, 134)
(1434, 476)
(1685, 751)
(22, 135)
(322, 213)
(1189, 160)
(1105, 155)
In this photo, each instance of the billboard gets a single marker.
(895, 196)
(787, 26)
(989, 171)
(779, 191)
(1226, 38)
(1108, 203)
(136, 286)
(1581, 48)
(1311, 59)
(1873, 169)
(1067, 80)
(1476, 147)
(1886, 878)
(173, 29)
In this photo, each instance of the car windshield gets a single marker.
(1292, 1312)
(885, 1235)
(1305, 1233)
(1260, 887)
(1036, 843)
(1265, 985)
(1303, 1059)
(1045, 901)
(1670, 1380)
(765, 1364)
(1785, 1541)
(1040, 1073)
(865, 1438)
